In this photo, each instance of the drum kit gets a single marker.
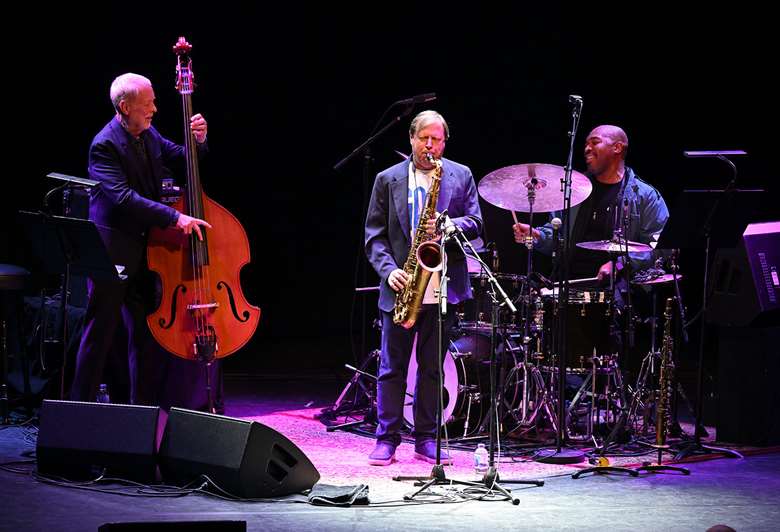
(525, 357)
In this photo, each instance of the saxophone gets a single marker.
(662, 406)
(424, 259)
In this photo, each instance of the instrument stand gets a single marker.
(625, 411)
(209, 395)
(561, 454)
(368, 391)
(696, 447)
(491, 479)
(368, 175)
(649, 362)
(680, 332)
(531, 374)
(68, 246)
(658, 467)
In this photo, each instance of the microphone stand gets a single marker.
(696, 447)
(491, 479)
(437, 476)
(365, 149)
(561, 455)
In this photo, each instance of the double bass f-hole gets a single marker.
(203, 313)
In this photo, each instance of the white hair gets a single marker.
(127, 86)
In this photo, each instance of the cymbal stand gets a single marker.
(527, 300)
(620, 422)
(641, 392)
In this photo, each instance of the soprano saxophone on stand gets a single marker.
(665, 380)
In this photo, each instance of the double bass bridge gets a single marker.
(202, 306)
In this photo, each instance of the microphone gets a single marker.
(556, 226)
(444, 224)
(420, 98)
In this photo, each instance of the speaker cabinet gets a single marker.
(245, 458)
(748, 371)
(745, 283)
(80, 440)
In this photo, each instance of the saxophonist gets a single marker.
(397, 203)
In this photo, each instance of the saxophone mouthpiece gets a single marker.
(430, 157)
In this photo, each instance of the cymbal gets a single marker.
(614, 246)
(666, 278)
(508, 187)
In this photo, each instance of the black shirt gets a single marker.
(598, 215)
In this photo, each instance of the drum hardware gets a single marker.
(603, 405)
(364, 398)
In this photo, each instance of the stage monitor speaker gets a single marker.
(745, 286)
(245, 458)
(82, 440)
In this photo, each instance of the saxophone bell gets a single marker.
(429, 256)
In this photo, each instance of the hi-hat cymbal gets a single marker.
(508, 187)
(614, 246)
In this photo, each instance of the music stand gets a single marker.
(68, 246)
(699, 219)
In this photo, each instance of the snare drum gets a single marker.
(467, 381)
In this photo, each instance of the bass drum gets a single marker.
(467, 382)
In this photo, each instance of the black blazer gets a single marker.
(125, 203)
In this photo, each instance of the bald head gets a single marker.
(605, 153)
(613, 134)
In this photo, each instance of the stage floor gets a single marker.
(741, 493)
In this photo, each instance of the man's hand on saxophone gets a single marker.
(397, 279)
(430, 227)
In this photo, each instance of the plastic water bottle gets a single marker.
(102, 395)
(481, 459)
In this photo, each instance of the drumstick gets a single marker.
(584, 280)
(514, 217)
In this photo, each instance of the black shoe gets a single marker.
(383, 454)
(427, 451)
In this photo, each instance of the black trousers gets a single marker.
(393, 366)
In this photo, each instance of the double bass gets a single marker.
(203, 313)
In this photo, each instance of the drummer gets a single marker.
(617, 191)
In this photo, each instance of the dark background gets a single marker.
(288, 95)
